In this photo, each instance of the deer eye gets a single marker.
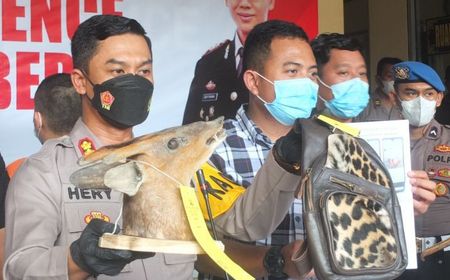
(173, 144)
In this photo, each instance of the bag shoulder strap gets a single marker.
(314, 141)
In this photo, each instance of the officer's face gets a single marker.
(288, 59)
(117, 55)
(386, 74)
(343, 66)
(410, 91)
(248, 13)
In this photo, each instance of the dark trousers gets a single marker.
(435, 267)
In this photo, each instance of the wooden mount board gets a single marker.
(141, 244)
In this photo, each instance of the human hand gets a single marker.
(86, 253)
(422, 189)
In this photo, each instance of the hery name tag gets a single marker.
(210, 96)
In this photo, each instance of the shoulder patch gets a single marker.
(216, 47)
(433, 133)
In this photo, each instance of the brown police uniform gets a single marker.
(432, 154)
(376, 111)
(46, 213)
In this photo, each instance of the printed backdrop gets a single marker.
(35, 42)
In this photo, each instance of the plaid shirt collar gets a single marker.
(255, 133)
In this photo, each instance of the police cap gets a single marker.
(414, 72)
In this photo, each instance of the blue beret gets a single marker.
(413, 71)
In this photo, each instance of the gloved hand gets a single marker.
(288, 149)
(94, 260)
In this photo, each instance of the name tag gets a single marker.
(210, 96)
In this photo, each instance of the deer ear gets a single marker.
(123, 177)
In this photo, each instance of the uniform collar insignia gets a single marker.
(86, 146)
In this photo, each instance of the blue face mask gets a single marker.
(350, 98)
(294, 98)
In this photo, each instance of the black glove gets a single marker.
(287, 150)
(95, 260)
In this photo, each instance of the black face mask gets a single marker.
(123, 100)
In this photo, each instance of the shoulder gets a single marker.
(222, 49)
(44, 163)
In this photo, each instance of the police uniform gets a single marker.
(376, 111)
(432, 154)
(216, 89)
(46, 213)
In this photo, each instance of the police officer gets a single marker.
(382, 104)
(52, 227)
(217, 88)
(420, 91)
(57, 106)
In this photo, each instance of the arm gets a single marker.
(251, 259)
(422, 189)
(33, 224)
(264, 204)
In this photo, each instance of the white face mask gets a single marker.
(388, 86)
(419, 111)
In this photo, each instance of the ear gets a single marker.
(439, 99)
(271, 5)
(37, 120)
(251, 81)
(79, 81)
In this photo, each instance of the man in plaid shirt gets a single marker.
(280, 74)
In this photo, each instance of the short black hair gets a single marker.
(58, 102)
(325, 42)
(386, 61)
(98, 28)
(259, 40)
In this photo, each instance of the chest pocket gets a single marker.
(80, 206)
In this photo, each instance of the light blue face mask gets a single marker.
(294, 98)
(350, 98)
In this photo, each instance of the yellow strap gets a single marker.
(226, 191)
(353, 131)
(201, 234)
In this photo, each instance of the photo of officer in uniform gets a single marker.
(217, 88)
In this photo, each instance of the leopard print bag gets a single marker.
(351, 212)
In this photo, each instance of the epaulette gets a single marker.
(216, 47)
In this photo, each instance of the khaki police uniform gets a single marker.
(46, 213)
(377, 111)
(432, 154)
